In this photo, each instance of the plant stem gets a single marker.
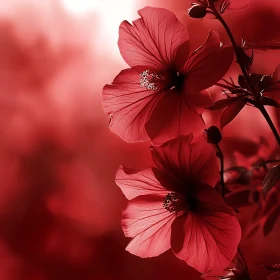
(244, 72)
(270, 123)
(235, 47)
(220, 155)
(244, 262)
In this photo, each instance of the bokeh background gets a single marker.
(60, 209)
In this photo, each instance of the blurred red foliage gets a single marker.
(60, 209)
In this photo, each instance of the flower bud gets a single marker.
(213, 135)
(197, 11)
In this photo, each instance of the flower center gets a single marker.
(159, 80)
(177, 80)
(151, 79)
(170, 201)
(174, 202)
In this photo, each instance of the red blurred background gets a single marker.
(60, 209)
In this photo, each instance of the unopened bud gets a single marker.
(197, 11)
(213, 135)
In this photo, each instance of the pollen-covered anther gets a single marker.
(170, 201)
(149, 79)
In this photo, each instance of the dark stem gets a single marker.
(261, 108)
(270, 123)
(244, 71)
(220, 155)
(235, 47)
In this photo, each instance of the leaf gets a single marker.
(243, 175)
(264, 163)
(270, 203)
(238, 199)
(223, 6)
(252, 231)
(232, 111)
(273, 267)
(245, 146)
(263, 45)
(238, 90)
(242, 82)
(221, 104)
(240, 169)
(271, 219)
(271, 178)
(269, 102)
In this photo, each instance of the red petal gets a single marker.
(134, 183)
(172, 117)
(196, 163)
(208, 64)
(206, 239)
(274, 276)
(199, 100)
(203, 164)
(149, 223)
(154, 39)
(130, 106)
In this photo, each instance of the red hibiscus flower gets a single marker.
(161, 96)
(176, 206)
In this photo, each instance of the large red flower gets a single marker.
(175, 206)
(161, 96)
